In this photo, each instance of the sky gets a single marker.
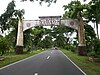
(33, 10)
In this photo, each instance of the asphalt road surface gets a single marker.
(50, 62)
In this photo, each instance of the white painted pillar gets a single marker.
(19, 44)
(81, 37)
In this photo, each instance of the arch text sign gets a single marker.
(50, 21)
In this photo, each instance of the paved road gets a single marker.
(50, 62)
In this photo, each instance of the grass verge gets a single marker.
(11, 57)
(90, 68)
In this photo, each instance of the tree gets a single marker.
(28, 39)
(46, 42)
(97, 47)
(9, 19)
(37, 33)
(74, 10)
(90, 37)
(93, 13)
(6, 16)
(40, 1)
(12, 34)
(44, 38)
(61, 35)
(3, 45)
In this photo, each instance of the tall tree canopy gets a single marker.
(72, 9)
(6, 16)
(9, 15)
(40, 1)
(93, 13)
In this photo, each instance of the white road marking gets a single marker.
(36, 74)
(20, 61)
(73, 63)
(48, 57)
(51, 52)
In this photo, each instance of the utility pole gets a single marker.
(19, 44)
(81, 36)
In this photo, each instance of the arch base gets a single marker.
(19, 49)
(82, 50)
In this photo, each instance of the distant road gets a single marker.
(50, 62)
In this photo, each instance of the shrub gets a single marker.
(3, 45)
(69, 47)
(92, 53)
(97, 47)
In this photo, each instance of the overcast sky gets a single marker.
(33, 10)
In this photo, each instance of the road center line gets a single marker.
(48, 57)
(51, 52)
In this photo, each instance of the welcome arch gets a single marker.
(76, 24)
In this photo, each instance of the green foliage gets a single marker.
(5, 17)
(61, 35)
(90, 37)
(38, 33)
(92, 53)
(72, 9)
(90, 31)
(46, 42)
(93, 13)
(33, 37)
(27, 38)
(97, 46)
(93, 47)
(92, 43)
(3, 45)
(12, 35)
(40, 37)
(40, 1)
(69, 47)
(7, 20)
(19, 13)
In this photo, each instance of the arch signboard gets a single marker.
(50, 21)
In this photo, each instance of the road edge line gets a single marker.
(19, 61)
(73, 63)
